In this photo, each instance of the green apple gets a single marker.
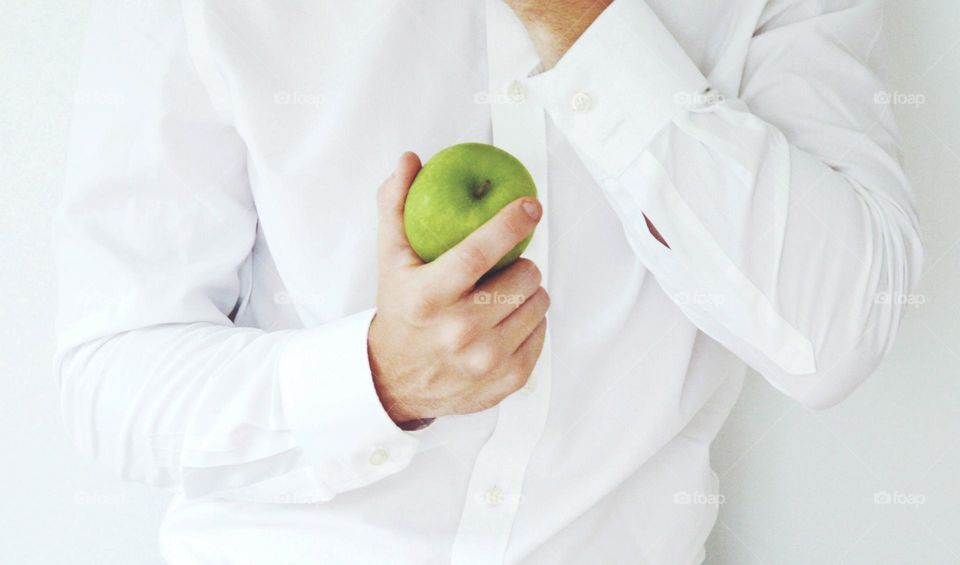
(458, 190)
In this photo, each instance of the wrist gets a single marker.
(398, 411)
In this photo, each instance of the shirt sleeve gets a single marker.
(155, 225)
(790, 232)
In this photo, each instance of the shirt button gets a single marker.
(379, 456)
(581, 102)
(517, 92)
(494, 496)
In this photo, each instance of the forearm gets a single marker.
(153, 404)
(204, 408)
(792, 265)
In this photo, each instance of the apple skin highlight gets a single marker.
(457, 191)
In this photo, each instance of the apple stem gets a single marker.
(482, 189)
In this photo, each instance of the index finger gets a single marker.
(459, 269)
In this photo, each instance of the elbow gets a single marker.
(836, 379)
(861, 333)
(839, 371)
(842, 367)
(842, 363)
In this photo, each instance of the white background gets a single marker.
(799, 487)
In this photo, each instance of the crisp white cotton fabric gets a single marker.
(216, 252)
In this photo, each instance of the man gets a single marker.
(244, 323)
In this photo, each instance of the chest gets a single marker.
(327, 94)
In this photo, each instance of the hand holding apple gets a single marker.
(458, 190)
(438, 345)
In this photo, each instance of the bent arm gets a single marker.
(785, 217)
(155, 226)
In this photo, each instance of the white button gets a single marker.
(379, 456)
(711, 98)
(494, 496)
(517, 92)
(581, 102)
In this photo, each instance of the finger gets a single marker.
(525, 357)
(519, 366)
(502, 293)
(393, 249)
(458, 270)
(518, 326)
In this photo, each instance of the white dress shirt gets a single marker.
(218, 274)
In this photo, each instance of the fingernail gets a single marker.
(400, 161)
(532, 208)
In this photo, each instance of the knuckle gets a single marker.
(482, 361)
(516, 378)
(535, 305)
(458, 334)
(543, 298)
(530, 302)
(474, 259)
(535, 274)
(529, 272)
(539, 334)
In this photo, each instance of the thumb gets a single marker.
(393, 249)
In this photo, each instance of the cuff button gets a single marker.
(379, 456)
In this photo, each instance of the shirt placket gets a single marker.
(495, 491)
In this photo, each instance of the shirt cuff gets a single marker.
(620, 83)
(332, 407)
